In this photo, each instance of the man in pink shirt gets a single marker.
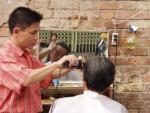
(21, 76)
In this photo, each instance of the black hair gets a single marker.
(53, 34)
(63, 44)
(23, 17)
(99, 73)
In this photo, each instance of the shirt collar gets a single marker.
(91, 94)
(13, 48)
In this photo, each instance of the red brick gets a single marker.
(141, 52)
(112, 51)
(123, 69)
(132, 15)
(123, 5)
(118, 25)
(112, 5)
(142, 69)
(77, 17)
(146, 96)
(65, 4)
(147, 87)
(96, 23)
(122, 42)
(108, 24)
(128, 96)
(88, 4)
(146, 78)
(135, 104)
(143, 33)
(147, 104)
(120, 61)
(144, 110)
(141, 24)
(5, 25)
(138, 42)
(138, 61)
(107, 14)
(136, 51)
(122, 25)
(146, 43)
(147, 61)
(132, 111)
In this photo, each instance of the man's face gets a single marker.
(28, 38)
(53, 38)
(57, 53)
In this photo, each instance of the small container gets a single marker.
(56, 82)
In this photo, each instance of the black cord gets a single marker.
(58, 78)
(115, 65)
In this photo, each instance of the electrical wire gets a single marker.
(113, 90)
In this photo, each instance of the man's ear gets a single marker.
(16, 31)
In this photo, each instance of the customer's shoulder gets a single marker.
(113, 104)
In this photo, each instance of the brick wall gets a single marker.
(132, 83)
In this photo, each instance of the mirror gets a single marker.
(79, 42)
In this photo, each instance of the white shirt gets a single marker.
(88, 102)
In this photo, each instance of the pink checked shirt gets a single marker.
(15, 66)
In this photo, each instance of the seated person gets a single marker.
(58, 51)
(98, 75)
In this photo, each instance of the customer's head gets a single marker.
(24, 26)
(62, 49)
(99, 73)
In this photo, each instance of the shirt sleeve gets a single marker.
(46, 82)
(13, 75)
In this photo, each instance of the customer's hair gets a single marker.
(23, 17)
(63, 44)
(99, 73)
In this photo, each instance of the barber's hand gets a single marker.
(71, 58)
